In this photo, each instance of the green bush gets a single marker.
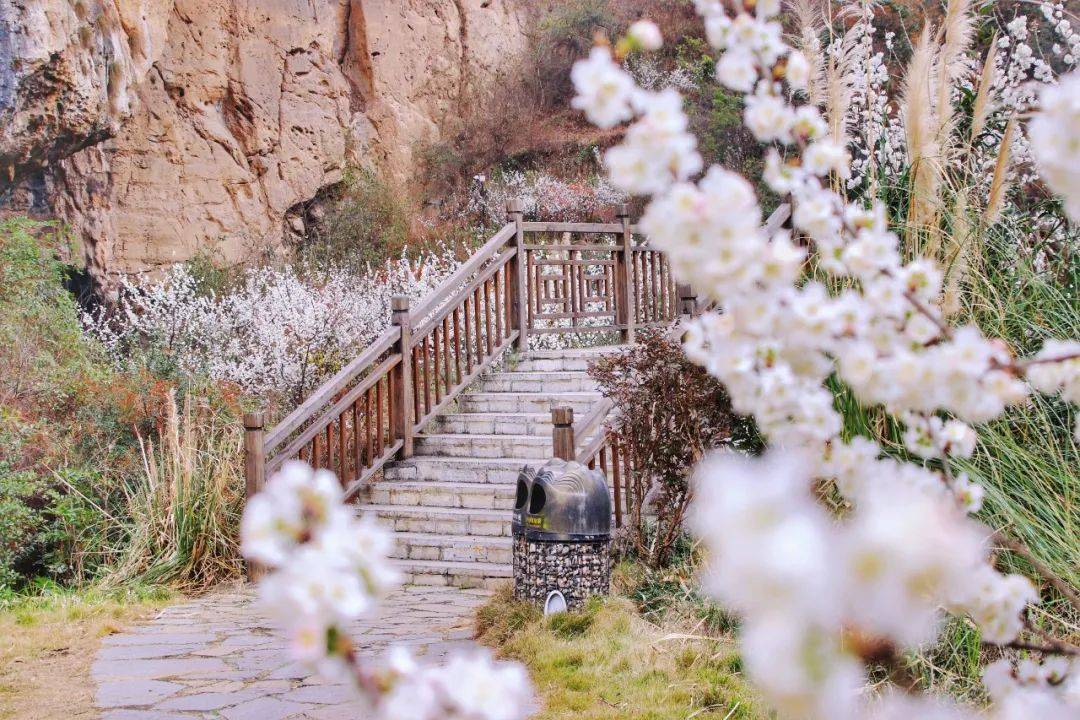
(359, 221)
(565, 36)
(44, 356)
(81, 451)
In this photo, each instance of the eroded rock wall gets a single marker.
(67, 68)
(245, 108)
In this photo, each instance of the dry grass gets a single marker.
(182, 517)
(47, 645)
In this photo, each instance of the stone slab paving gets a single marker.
(220, 657)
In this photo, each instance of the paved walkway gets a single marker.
(218, 657)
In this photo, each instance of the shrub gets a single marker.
(74, 473)
(543, 197)
(668, 413)
(360, 221)
(565, 34)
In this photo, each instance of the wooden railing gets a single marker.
(587, 441)
(530, 278)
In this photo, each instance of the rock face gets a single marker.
(67, 72)
(225, 114)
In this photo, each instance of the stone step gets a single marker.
(579, 359)
(452, 548)
(493, 424)
(479, 496)
(580, 363)
(587, 352)
(456, 574)
(434, 468)
(442, 521)
(484, 446)
(504, 402)
(539, 382)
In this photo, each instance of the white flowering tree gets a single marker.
(277, 335)
(825, 598)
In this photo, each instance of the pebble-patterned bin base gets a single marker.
(578, 570)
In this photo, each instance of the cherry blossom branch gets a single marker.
(1024, 364)
(1018, 548)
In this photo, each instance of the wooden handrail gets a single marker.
(450, 285)
(336, 409)
(464, 289)
(330, 388)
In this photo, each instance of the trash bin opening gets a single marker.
(539, 498)
(522, 495)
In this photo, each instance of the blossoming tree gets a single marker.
(824, 598)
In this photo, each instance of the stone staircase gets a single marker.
(450, 503)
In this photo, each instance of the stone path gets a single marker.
(218, 657)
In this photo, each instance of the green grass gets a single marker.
(1028, 459)
(607, 662)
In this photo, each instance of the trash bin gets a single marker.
(562, 533)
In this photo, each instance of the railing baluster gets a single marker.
(616, 484)
(487, 317)
(380, 437)
(457, 343)
(531, 290)
(343, 459)
(357, 457)
(436, 374)
(369, 436)
(428, 375)
(447, 368)
(629, 334)
(391, 408)
(403, 394)
(478, 327)
(330, 447)
(417, 386)
(466, 345)
(498, 306)
(656, 290)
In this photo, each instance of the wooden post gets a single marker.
(254, 465)
(254, 453)
(687, 300)
(520, 296)
(630, 306)
(401, 423)
(562, 433)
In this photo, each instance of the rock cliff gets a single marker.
(170, 126)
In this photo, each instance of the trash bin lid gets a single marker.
(567, 502)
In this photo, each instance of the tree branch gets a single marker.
(1017, 547)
